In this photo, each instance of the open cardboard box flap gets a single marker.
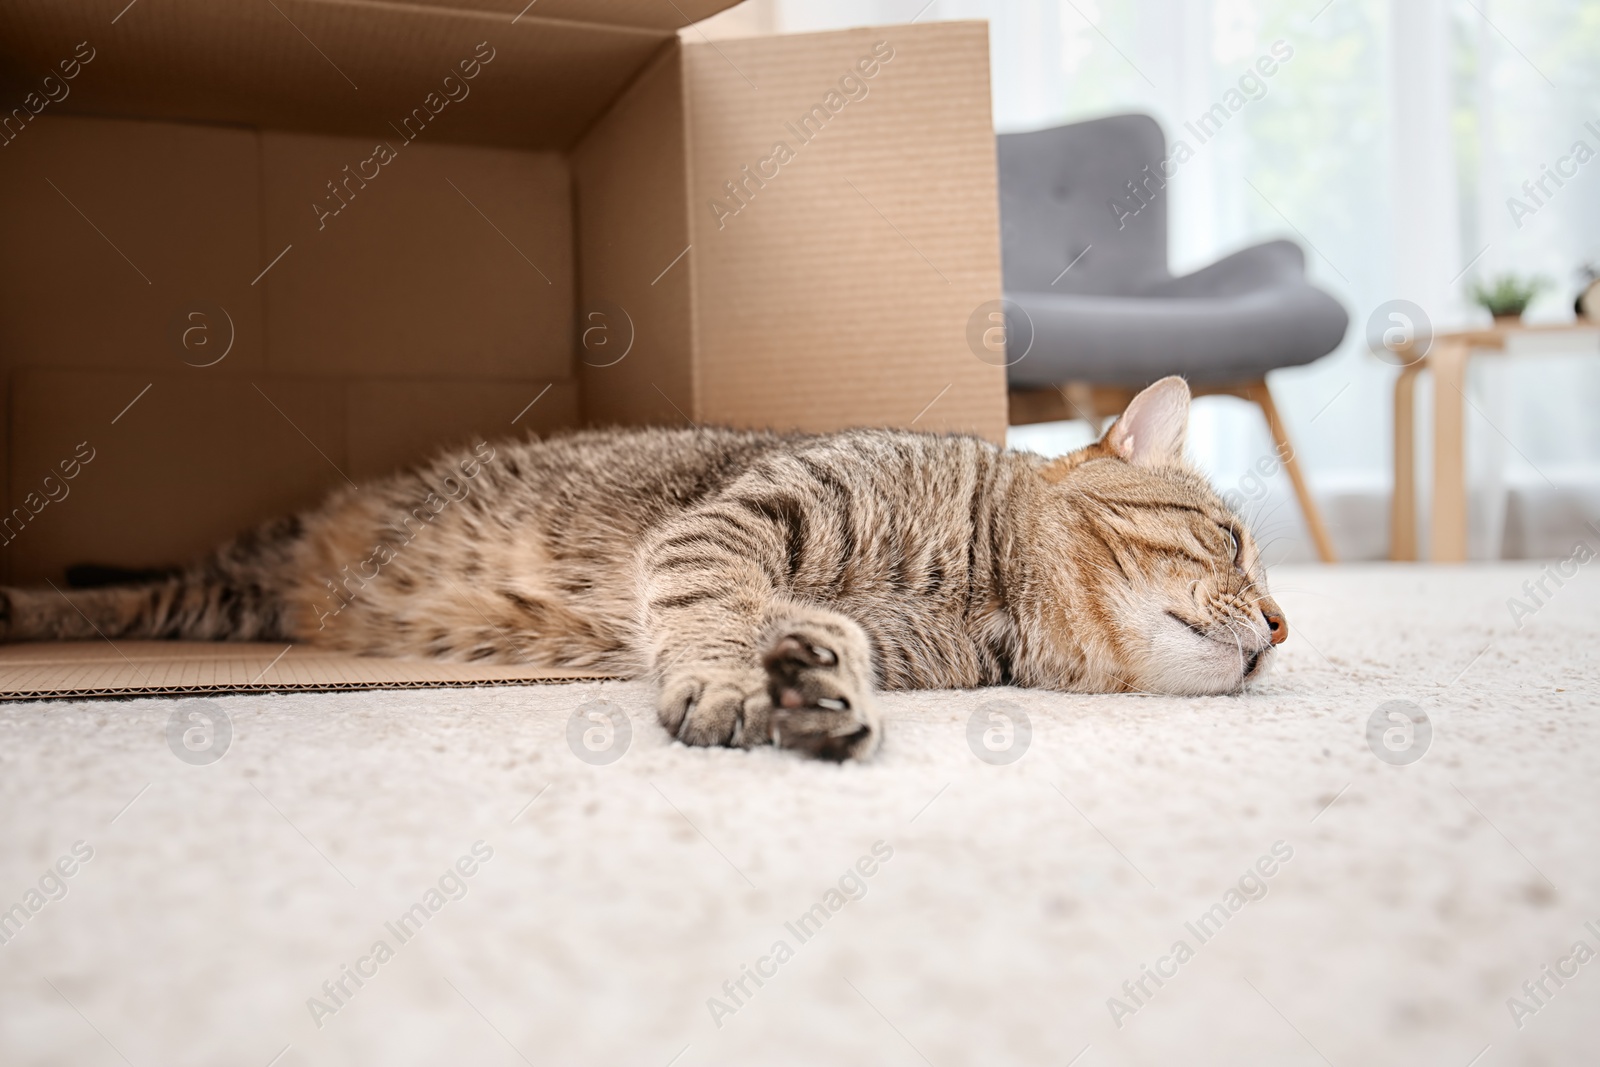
(215, 284)
(344, 66)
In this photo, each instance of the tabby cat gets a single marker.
(769, 583)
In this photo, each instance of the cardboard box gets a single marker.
(248, 250)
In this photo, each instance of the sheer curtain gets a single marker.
(1390, 146)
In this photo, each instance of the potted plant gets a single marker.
(1508, 296)
(1587, 305)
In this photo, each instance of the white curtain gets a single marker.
(1389, 146)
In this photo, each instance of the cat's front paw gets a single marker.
(821, 693)
(715, 705)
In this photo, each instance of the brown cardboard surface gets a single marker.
(453, 258)
(393, 423)
(638, 13)
(636, 351)
(339, 66)
(165, 668)
(109, 230)
(839, 294)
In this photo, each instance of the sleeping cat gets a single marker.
(770, 584)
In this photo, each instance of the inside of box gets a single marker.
(249, 253)
(252, 253)
(197, 396)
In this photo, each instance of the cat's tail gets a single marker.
(238, 594)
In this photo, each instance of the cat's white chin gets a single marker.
(1179, 661)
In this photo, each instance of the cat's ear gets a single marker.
(1151, 432)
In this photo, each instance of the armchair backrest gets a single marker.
(1066, 189)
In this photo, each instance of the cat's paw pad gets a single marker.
(714, 706)
(817, 706)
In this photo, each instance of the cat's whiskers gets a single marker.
(1258, 519)
(1231, 624)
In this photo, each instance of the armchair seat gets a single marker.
(1232, 321)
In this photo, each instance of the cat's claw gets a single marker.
(816, 708)
(811, 692)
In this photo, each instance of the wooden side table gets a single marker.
(1447, 358)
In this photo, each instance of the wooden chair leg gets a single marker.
(1403, 509)
(1259, 392)
(1448, 533)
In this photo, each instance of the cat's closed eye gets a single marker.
(1235, 545)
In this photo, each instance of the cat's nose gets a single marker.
(1277, 626)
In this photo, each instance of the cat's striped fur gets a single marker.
(769, 583)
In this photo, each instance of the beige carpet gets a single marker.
(1006, 904)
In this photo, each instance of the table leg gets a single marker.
(1448, 536)
(1493, 404)
(1403, 508)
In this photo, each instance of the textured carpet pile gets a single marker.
(438, 877)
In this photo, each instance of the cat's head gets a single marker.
(1162, 587)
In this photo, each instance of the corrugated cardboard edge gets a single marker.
(159, 668)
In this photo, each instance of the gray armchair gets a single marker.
(1083, 214)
